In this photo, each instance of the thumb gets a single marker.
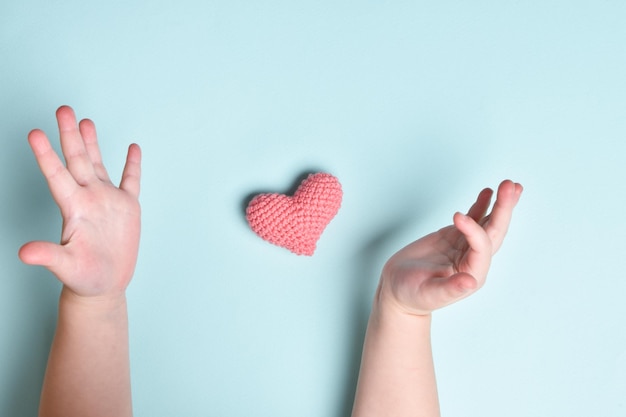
(45, 254)
(445, 291)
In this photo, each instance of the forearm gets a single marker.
(397, 376)
(88, 370)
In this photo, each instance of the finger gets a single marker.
(60, 181)
(480, 207)
(88, 132)
(440, 292)
(477, 259)
(500, 217)
(131, 176)
(41, 253)
(74, 151)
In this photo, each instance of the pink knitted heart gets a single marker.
(296, 223)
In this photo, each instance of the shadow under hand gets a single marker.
(365, 280)
(31, 296)
(30, 343)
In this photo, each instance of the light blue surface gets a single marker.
(414, 106)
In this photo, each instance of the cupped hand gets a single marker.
(99, 244)
(452, 263)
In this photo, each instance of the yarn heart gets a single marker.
(296, 222)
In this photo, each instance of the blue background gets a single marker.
(414, 106)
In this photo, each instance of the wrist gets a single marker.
(386, 303)
(388, 315)
(97, 304)
(397, 374)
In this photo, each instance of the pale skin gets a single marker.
(88, 371)
(397, 376)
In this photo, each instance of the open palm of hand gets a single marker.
(101, 222)
(452, 263)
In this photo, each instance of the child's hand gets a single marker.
(452, 263)
(101, 223)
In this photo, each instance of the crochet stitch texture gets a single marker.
(296, 222)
